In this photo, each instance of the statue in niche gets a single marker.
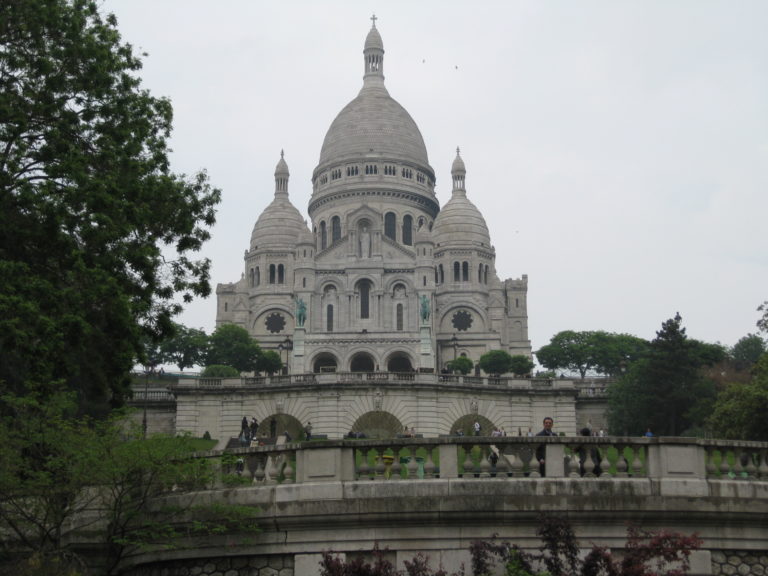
(301, 311)
(424, 308)
(365, 243)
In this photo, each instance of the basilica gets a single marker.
(384, 278)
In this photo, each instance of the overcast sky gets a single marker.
(617, 149)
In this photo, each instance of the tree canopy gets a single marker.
(185, 348)
(740, 409)
(520, 365)
(462, 364)
(665, 390)
(231, 345)
(598, 351)
(495, 362)
(747, 351)
(97, 235)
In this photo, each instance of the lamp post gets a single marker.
(280, 348)
(455, 342)
(146, 396)
(287, 344)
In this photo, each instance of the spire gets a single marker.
(458, 172)
(281, 177)
(373, 54)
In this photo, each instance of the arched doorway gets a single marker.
(399, 362)
(325, 362)
(362, 362)
(278, 424)
(378, 425)
(466, 425)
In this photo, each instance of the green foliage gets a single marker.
(220, 371)
(96, 233)
(740, 409)
(269, 362)
(520, 365)
(747, 351)
(666, 390)
(602, 352)
(762, 323)
(53, 467)
(495, 362)
(185, 348)
(231, 345)
(462, 365)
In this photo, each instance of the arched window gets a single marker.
(486, 274)
(303, 282)
(390, 225)
(456, 271)
(280, 274)
(335, 229)
(407, 230)
(251, 278)
(329, 318)
(465, 271)
(364, 288)
(480, 274)
(424, 281)
(258, 276)
(399, 317)
(271, 273)
(323, 236)
(442, 273)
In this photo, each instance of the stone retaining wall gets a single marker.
(222, 566)
(739, 563)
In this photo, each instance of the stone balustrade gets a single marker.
(509, 458)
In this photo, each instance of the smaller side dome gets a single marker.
(281, 224)
(459, 222)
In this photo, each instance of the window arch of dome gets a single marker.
(390, 225)
(390, 285)
(462, 318)
(407, 230)
(323, 236)
(329, 289)
(335, 229)
(363, 289)
(465, 271)
(456, 271)
(272, 273)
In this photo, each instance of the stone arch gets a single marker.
(325, 362)
(399, 362)
(466, 425)
(362, 362)
(278, 424)
(260, 327)
(378, 425)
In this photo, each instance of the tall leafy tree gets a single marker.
(97, 235)
(186, 348)
(747, 351)
(231, 345)
(666, 390)
(520, 365)
(740, 408)
(598, 351)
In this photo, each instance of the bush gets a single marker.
(220, 371)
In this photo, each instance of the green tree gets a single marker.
(186, 347)
(521, 365)
(666, 390)
(462, 365)
(602, 352)
(747, 351)
(219, 371)
(96, 233)
(269, 362)
(740, 409)
(495, 362)
(231, 345)
(762, 323)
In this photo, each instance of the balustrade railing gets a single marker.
(507, 458)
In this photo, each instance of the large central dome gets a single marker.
(374, 124)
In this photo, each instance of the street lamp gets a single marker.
(146, 396)
(280, 347)
(287, 344)
(455, 342)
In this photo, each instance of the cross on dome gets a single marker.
(373, 19)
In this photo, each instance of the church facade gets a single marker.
(384, 278)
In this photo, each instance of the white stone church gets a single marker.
(385, 279)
